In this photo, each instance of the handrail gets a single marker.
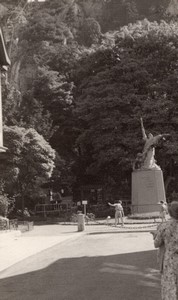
(42, 208)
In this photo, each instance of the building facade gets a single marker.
(4, 63)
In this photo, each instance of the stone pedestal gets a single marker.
(147, 190)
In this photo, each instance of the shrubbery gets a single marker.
(4, 203)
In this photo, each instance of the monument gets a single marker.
(147, 177)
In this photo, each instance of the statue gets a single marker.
(146, 159)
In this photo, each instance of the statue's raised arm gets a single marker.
(146, 160)
(143, 130)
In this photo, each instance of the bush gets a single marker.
(4, 203)
(101, 211)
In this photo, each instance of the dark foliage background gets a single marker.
(82, 76)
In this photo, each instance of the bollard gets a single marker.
(108, 219)
(81, 222)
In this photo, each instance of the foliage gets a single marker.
(25, 111)
(87, 101)
(44, 27)
(11, 102)
(46, 104)
(31, 114)
(53, 88)
(3, 205)
(28, 162)
(61, 179)
(7, 203)
(90, 32)
(115, 87)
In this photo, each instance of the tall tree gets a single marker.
(90, 32)
(115, 87)
(27, 164)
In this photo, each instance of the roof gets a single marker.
(4, 59)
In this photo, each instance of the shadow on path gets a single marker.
(114, 277)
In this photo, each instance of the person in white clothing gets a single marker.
(163, 210)
(119, 212)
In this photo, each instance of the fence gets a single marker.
(14, 224)
(51, 209)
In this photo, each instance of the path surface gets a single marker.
(91, 266)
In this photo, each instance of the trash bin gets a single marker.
(81, 222)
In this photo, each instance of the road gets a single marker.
(117, 266)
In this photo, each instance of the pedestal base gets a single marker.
(147, 190)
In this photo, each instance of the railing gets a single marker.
(50, 208)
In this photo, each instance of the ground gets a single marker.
(94, 265)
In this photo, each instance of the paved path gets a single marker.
(86, 266)
(44, 237)
(33, 242)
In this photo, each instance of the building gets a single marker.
(4, 63)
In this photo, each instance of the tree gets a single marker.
(4, 203)
(31, 114)
(90, 32)
(27, 164)
(114, 88)
(45, 102)
(43, 26)
(12, 99)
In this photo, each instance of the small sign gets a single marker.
(84, 202)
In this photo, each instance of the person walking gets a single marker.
(166, 239)
(119, 212)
